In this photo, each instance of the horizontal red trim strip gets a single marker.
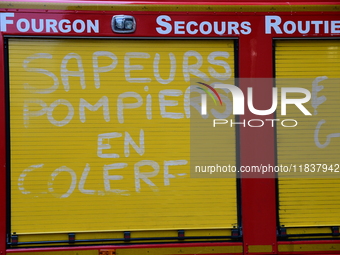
(188, 2)
(121, 247)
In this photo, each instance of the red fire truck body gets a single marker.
(82, 173)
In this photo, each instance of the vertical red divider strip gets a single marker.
(257, 145)
(3, 153)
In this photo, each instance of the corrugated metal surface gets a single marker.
(99, 136)
(305, 199)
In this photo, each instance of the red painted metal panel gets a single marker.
(172, 24)
(257, 146)
(225, 2)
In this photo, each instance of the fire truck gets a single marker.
(169, 127)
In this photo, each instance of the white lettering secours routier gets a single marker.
(275, 25)
(166, 25)
(205, 27)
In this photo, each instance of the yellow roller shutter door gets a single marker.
(310, 201)
(99, 136)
